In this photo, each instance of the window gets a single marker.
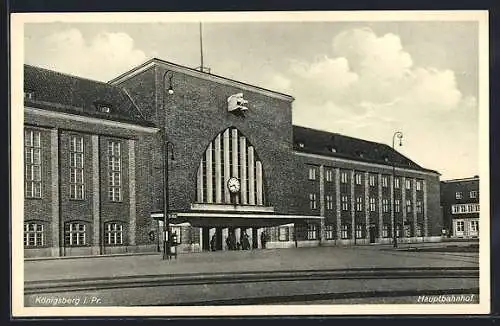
(312, 173)
(385, 205)
(345, 203)
(75, 234)
(408, 183)
(343, 177)
(396, 182)
(474, 226)
(329, 232)
(360, 231)
(458, 195)
(114, 234)
(464, 208)
(385, 231)
(473, 194)
(329, 175)
(301, 145)
(372, 205)
(371, 180)
(76, 179)
(32, 164)
(114, 171)
(408, 206)
(419, 206)
(283, 233)
(311, 232)
(358, 178)
(345, 231)
(29, 95)
(385, 181)
(399, 229)
(359, 204)
(419, 230)
(329, 202)
(177, 231)
(419, 185)
(312, 201)
(397, 206)
(34, 235)
(333, 150)
(460, 226)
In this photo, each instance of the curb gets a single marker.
(92, 256)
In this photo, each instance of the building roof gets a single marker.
(55, 91)
(199, 74)
(474, 178)
(324, 143)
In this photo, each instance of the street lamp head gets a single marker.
(170, 90)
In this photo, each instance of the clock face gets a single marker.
(234, 185)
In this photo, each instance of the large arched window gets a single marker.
(229, 155)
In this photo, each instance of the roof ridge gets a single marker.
(342, 135)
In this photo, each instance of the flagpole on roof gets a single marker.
(201, 48)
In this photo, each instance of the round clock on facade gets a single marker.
(233, 185)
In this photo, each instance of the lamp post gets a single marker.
(166, 145)
(166, 217)
(399, 135)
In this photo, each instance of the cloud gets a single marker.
(369, 87)
(103, 57)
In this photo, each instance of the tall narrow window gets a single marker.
(360, 231)
(419, 185)
(345, 231)
(345, 203)
(396, 182)
(385, 181)
(312, 232)
(329, 232)
(329, 175)
(408, 206)
(408, 184)
(114, 171)
(419, 206)
(385, 231)
(34, 235)
(312, 173)
(397, 206)
(372, 205)
(283, 233)
(343, 177)
(329, 202)
(358, 178)
(312, 201)
(385, 205)
(76, 177)
(75, 234)
(359, 204)
(32, 164)
(114, 234)
(371, 180)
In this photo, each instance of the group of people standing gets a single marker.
(243, 244)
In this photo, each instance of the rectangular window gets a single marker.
(359, 204)
(312, 173)
(114, 234)
(473, 194)
(345, 203)
(34, 235)
(283, 233)
(329, 232)
(464, 208)
(385, 181)
(408, 206)
(372, 205)
(396, 182)
(460, 226)
(385, 231)
(312, 201)
(343, 177)
(345, 231)
(419, 185)
(397, 206)
(76, 177)
(408, 184)
(360, 231)
(371, 180)
(358, 178)
(329, 202)
(311, 232)
(474, 226)
(329, 175)
(32, 164)
(176, 233)
(419, 230)
(458, 195)
(419, 206)
(114, 171)
(75, 234)
(385, 205)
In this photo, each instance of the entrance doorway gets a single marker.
(255, 239)
(372, 234)
(205, 235)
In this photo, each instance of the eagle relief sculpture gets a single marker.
(236, 102)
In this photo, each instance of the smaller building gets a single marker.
(460, 204)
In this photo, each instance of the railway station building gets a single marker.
(95, 156)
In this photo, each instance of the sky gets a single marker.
(363, 79)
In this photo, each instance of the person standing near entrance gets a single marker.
(213, 243)
(263, 239)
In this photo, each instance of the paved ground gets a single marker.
(257, 260)
(305, 291)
